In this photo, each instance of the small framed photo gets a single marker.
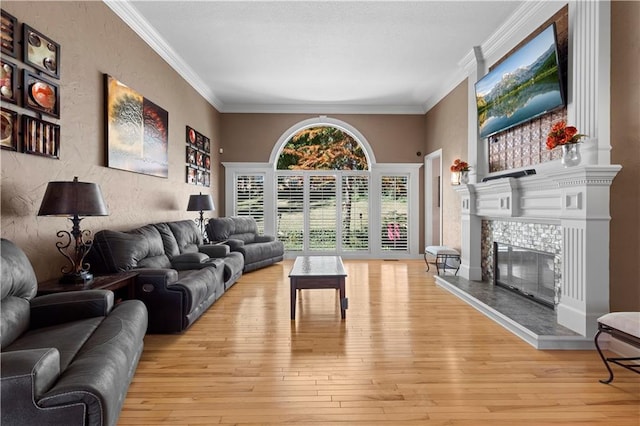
(207, 145)
(191, 136)
(200, 178)
(200, 159)
(40, 95)
(207, 179)
(191, 156)
(9, 133)
(40, 137)
(9, 36)
(191, 175)
(40, 51)
(8, 82)
(207, 162)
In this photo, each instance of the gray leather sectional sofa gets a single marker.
(178, 279)
(240, 233)
(67, 358)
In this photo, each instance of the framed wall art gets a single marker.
(191, 175)
(40, 51)
(9, 34)
(40, 137)
(191, 156)
(40, 95)
(9, 130)
(198, 158)
(8, 82)
(137, 131)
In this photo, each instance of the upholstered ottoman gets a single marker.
(442, 254)
(624, 326)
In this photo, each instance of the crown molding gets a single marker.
(140, 26)
(524, 20)
(324, 109)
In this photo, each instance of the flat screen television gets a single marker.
(524, 86)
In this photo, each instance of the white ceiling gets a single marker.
(317, 56)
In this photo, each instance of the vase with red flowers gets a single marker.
(459, 172)
(568, 138)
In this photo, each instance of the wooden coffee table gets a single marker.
(311, 272)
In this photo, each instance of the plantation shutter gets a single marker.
(322, 212)
(290, 209)
(355, 213)
(250, 197)
(394, 213)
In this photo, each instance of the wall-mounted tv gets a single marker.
(525, 85)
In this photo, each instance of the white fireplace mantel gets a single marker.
(577, 199)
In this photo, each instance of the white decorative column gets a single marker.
(470, 235)
(589, 75)
(584, 218)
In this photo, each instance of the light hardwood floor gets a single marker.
(409, 353)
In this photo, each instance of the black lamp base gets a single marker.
(84, 277)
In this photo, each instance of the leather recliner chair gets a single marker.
(67, 358)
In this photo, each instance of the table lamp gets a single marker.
(200, 203)
(74, 199)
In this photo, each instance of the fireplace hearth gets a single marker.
(527, 272)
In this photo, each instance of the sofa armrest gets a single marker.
(164, 297)
(193, 260)
(58, 308)
(264, 238)
(29, 373)
(234, 244)
(215, 250)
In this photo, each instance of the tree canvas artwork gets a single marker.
(137, 131)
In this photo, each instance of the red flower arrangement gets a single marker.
(460, 166)
(561, 134)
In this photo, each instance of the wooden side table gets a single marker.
(122, 284)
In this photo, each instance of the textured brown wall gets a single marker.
(94, 41)
(446, 128)
(251, 137)
(625, 143)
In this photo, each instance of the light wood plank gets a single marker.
(408, 353)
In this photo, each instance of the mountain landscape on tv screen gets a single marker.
(521, 95)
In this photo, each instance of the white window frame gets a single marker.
(376, 170)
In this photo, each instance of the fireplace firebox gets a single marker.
(525, 271)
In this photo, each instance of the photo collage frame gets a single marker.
(30, 99)
(198, 158)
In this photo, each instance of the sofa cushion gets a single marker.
(245, 225)
(15, 314)
(257, 252)
(170, 244)
(120, 251)
(220, 228)
(187, 235)
(17, 286)
(67, 338)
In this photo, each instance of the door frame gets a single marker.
(432, 162)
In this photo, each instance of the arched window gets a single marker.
(322, 148)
